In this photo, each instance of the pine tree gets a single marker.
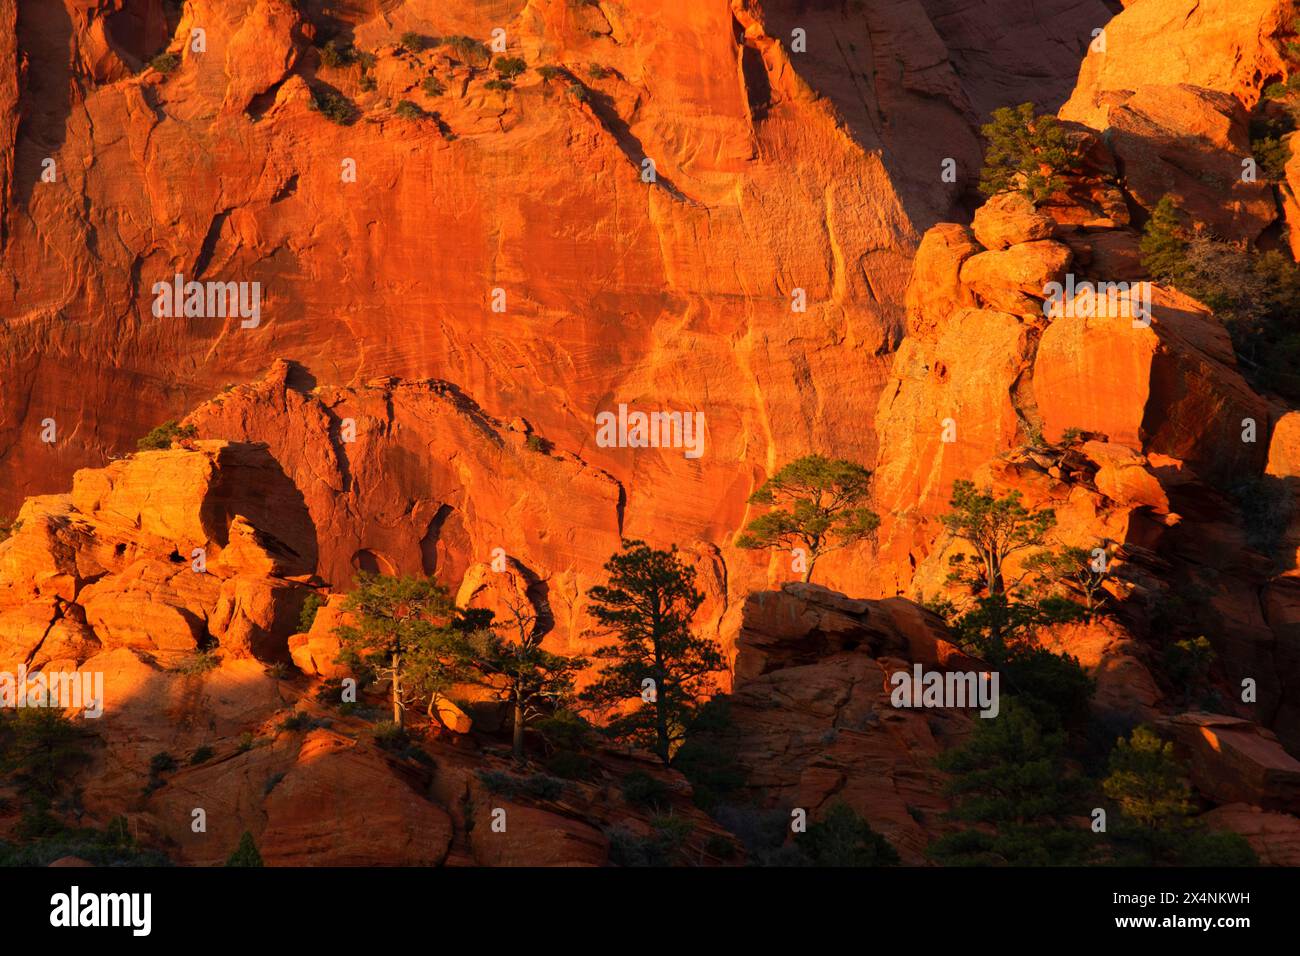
(647, 608)
(1164, 250)
(401, 626)
(817, 504)
(1148, 783)
(1012, 781)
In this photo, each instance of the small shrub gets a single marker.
(842, 838)
(549, 72)
(166, 62)
(570, 765)
(579, 92)
(410, 111)
(9, 528)
(468, 47)
(277, 671)
(245, 743)
(509, 67)
(199, 663)
(334, 106)
(596, 71)
(537, 443)
(161, 763)
(390, 736)
(432, 86)
(161, 437)
(642, 790)
(414, 42)
(367, 83)
(202, 755)
(300, 720)
(335, 54)
(500, 86)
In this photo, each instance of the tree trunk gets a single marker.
(518, 742)
(397, 692)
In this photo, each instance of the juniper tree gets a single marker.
(1025, 152)
(817, 503)
(647, 608)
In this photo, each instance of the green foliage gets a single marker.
(407, 110)
(307, 616)
(432, 86)
(597, 72)
(111, 846)
(715, 774)
(663, 847)
(333, 105)
(9, 528)
(647, 608)
(499, 86)
(1148, 783)
(511, 665)
(335, 54)
(42, 750)
(549, 72)
(1188, 663)
(161, 438)
(817, 503)
(537, 786)
(1013, 782)
(246, 853)
(161, 763)
(1155, 822)
(1026, 152)
(299, 721)
(642, 790)
(1073, 568)
(842, 838)
(1256, 295)
(996, 527)
(469, 49)
(509, 67)
(1269, 146)
(401, 627)
(201, 755)
(414, 42)
(199, 663)
(166, 62)
(1216, 850)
